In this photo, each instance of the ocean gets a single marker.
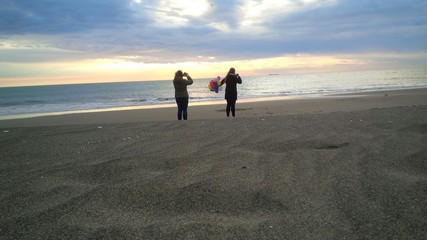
(17, 102)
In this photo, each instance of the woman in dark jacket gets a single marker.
(181, 94)
(231, 80)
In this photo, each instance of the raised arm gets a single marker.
(189, 79)
(239, 80)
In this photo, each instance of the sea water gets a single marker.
(18, 102)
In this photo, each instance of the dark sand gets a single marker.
(269, 174)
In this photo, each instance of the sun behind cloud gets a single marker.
(175, 13)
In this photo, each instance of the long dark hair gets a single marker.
(232, 70)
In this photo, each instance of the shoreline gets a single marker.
(256, 107)
(203, 103)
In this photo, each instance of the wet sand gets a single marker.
(245, 108)
(348, 167)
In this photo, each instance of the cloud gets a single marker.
(170, 31)
(179, 12)
(260, 13)
(56, 17)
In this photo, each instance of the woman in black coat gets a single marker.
(231, 80)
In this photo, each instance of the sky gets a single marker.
(47, 42)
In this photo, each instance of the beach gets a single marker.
(348, 166)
